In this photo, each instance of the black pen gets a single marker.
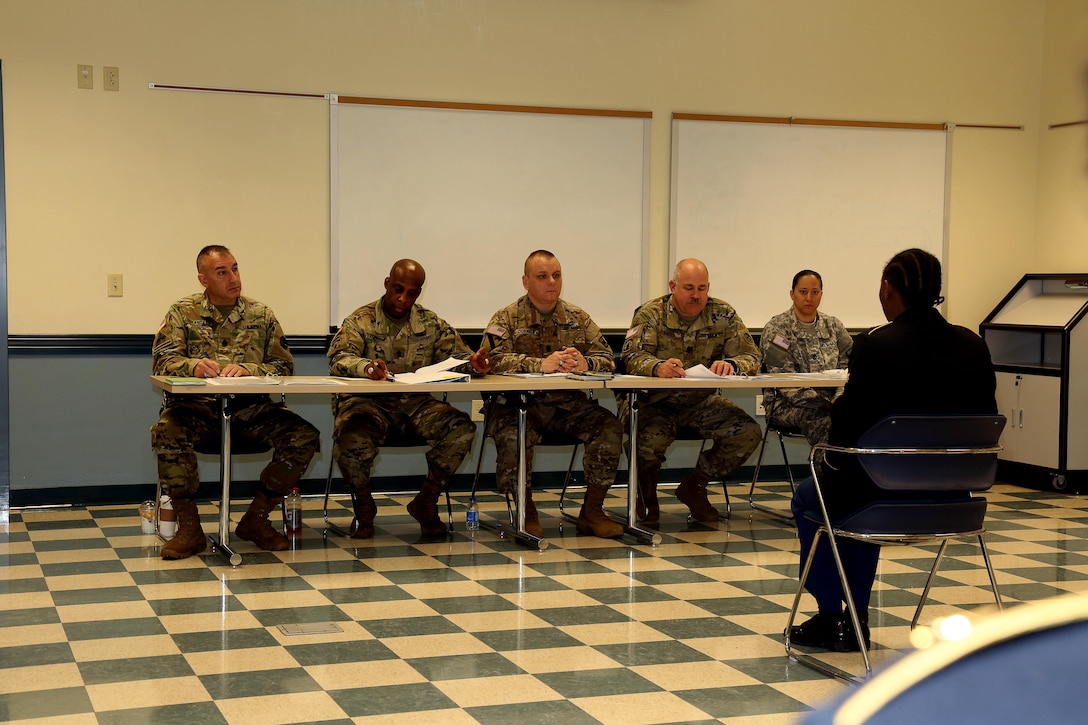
(206, 357)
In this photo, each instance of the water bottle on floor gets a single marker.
(472, 515)
(292, 509)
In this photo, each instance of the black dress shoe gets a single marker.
(849, 642)
(825, 630)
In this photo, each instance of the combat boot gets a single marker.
(365, 511)
(424, 509)
(189, 538)
(592, 518)
(647, 509)
(255, 527)
(692, 493)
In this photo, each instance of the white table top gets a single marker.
(344, 386)
(765, 380)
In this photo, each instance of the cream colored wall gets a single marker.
(136, 181)
(1062, 230)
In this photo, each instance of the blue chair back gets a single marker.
(945, 470)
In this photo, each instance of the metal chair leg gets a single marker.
(783, 515)
(990, 571)
(566, 482)
(807, 659)
(325, 508)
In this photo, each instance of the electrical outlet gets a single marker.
(111, 78)
(84, 76)
(760, 410)
(478, 411)
(115, 285)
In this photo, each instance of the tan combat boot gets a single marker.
(189, 538)
(592, 518)
(424, 509)
(255, 527)
(692, 493)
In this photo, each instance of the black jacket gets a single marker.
(918, 363)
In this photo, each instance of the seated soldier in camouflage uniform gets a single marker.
(669, 334)
(396, 335)
(542, 333)
(219, 333)
(802, 340)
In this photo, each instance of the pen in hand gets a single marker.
(210, 367)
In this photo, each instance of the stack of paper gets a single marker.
(437, 373)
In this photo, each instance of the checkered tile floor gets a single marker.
(95, 627)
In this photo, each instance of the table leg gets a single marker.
(520, 534)
(643, 535)
(221, 543)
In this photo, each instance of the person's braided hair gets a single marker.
(916, 275)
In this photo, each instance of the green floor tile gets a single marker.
(669, 576)
(127, 627)
(34, 655)
(58, 703)
(740, 701)
(525, 584)
(270, 584)
(354, 595)
(464, 666)
(462, 605)
(633, 654)
(110, 566)
(597, 683)
(299, 615)
(366, 701)
(424, 576)
(699, 627)
(195, 605)
(526, 639)
(182, 713)
(570, 616)
(628, 595)
(550, 712)
(229, 685)
(100, 672)
(340, 652)
(224, 639)
(410, 626)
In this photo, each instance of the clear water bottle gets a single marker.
(292, 510)
(472, 515)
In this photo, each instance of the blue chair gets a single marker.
(914, 456)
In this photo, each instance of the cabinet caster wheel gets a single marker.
(1058, 482)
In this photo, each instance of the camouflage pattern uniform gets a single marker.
(249, 336)
(363, 422)
(790, 346)
(657, 333)
(521, 338)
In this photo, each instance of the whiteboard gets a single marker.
(758, 202)
(469, 193)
